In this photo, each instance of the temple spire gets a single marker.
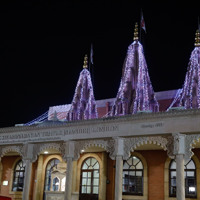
(135, 38)
(189, 96)
(135, 92)
(85, 62)
(197, 38)
(83, 105)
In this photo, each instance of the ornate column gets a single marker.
(38, 188)
(68, 157)
(119, 151)
(27, 158)
(179, 152)
(103, 176)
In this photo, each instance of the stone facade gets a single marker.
(167, 135)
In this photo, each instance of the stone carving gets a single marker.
(108, 145)
(55, 146)
(179, 143)
(170, 146)
(67, 150)
(111, 148)
(141, 116)
(176, 143)
(130, 144)
(15, 148)
(38, 148)
(190, 140)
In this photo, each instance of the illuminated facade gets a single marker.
(141, 145)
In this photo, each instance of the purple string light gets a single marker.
(83, 105)
(190, 96)
(135, 91)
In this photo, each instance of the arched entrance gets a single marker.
(89, 180)
(55, 176)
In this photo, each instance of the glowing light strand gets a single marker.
(41, 118)
(83, 105)
(189, 97)
(135, 91)
(177, 96)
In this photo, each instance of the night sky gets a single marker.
(43, 43)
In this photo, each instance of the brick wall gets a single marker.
(155, 163)
(7, 163)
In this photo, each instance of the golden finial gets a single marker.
(197, 39)
(135, 38)
(85, 66)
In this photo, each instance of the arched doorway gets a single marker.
(89, 180)
(55, 176)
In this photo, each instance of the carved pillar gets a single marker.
(179, 152)
(38, 188)
(27, 179)
(27, 158)
(180, 179)
(103, 176)
(68, 157)
(119, 151)
(118, 177)
(68, 183)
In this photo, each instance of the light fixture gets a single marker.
(192, 189)
(5, 182)
(46, 152)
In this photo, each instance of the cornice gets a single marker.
(116, 119)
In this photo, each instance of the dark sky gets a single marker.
(42, 45)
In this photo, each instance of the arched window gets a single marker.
(133, 176)
(89, 187)
(190, 179)
(51, 166)
(18, 176)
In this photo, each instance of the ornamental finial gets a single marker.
(85, 66)
(135, 38)
(197, 39)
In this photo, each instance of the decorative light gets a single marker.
(83, 105)
(192, 189)
(135, 91)
(46, 152)
(190, 95)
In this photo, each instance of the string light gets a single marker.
(190, 95)
(135, 91)
(41, 118)
(83, 105)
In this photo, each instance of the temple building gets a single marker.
(139, 145)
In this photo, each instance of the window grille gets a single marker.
(133, 176)
(18, 176)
